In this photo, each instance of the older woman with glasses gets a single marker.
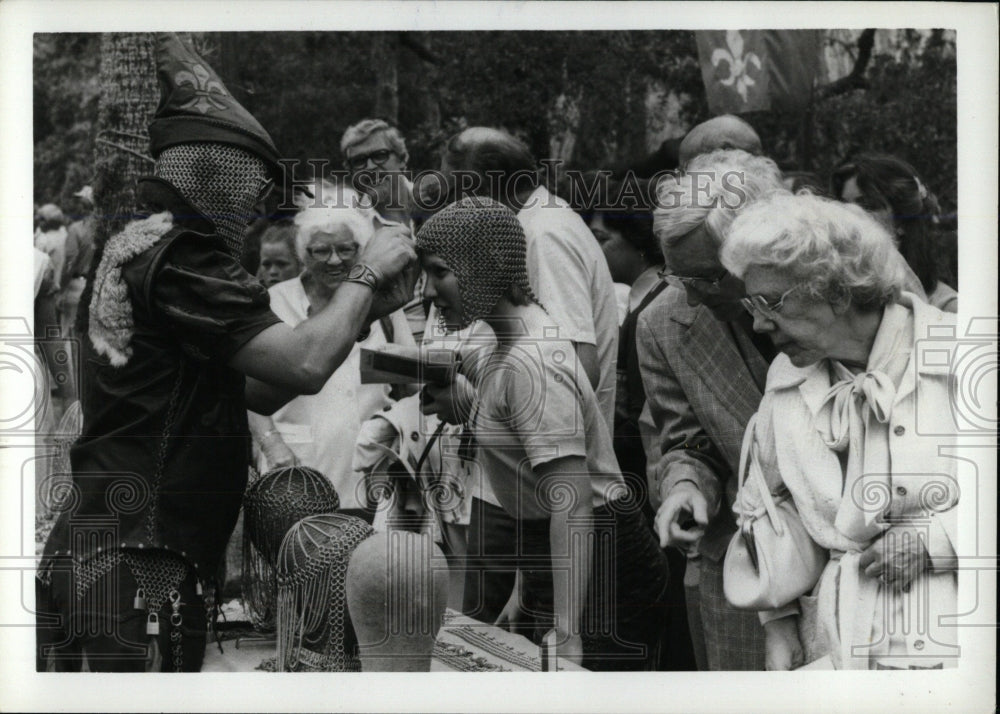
(851, 427)
(320, 430)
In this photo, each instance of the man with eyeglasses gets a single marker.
(704, 370)
(375, 157)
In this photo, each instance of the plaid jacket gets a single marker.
(701, 393)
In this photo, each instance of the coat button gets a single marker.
(415, 436)
(918, 645)
(899, 430)
(900, 491)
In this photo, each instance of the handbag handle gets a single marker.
(749, 462)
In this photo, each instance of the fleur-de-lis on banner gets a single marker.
(206, 89)
(739, 64)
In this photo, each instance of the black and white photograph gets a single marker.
(651, 346)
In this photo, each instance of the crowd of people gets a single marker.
(625, 361)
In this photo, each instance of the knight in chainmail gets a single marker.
(174, 328)
(161, 464)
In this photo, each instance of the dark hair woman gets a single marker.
(890, 189)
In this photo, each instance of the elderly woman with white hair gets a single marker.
(320, 430)
(852, 424)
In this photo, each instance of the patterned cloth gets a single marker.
(726, 639)
(701, 393)
(463, 645)
(111, 321)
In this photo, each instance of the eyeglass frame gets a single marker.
(758, 304)
(362, 159)
(714, 286)
(329, 251)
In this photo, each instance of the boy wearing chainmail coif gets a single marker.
(545, 449)
(181, 342)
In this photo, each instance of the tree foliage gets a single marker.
(66, 93)
(307, 87)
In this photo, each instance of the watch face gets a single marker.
(356, 272)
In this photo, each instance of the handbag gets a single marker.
(771, 559)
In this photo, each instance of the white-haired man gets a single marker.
(704, 370)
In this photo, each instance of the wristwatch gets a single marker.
(365, 275)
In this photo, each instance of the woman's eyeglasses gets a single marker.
(759, 305)
(360, 161)
(323, 253)
(706, 286)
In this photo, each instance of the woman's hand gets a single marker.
(783, 649)
(276, 451)
(896, 558)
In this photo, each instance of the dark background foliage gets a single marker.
(307, 87)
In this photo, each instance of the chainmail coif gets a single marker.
(271, 505)
(223, 182)
(483, 243)
(314, 628)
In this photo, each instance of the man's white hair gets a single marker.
(713, 189)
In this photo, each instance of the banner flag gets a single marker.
(755, 70)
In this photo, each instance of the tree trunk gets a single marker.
(384, 55)
(129, 95)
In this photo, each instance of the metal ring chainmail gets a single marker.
(223, 182)
(272, 504)
(313, 623)
(159, 574)
(483, 243)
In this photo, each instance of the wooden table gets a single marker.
(463, 645)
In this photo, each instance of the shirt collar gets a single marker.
(642, 285)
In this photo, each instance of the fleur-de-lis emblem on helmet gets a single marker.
(207, 89)
(739, 64)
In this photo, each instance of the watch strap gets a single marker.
(364, 274)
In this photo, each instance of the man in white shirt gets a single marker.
(566, 267)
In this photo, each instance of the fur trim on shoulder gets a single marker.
(111, 325)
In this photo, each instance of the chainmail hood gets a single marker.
(483, 243)
(272, 504)
(314, 628)
(223, 182)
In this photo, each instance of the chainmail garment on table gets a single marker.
(272, 504)
(483, 243)
(314, 632)
(223, 182)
